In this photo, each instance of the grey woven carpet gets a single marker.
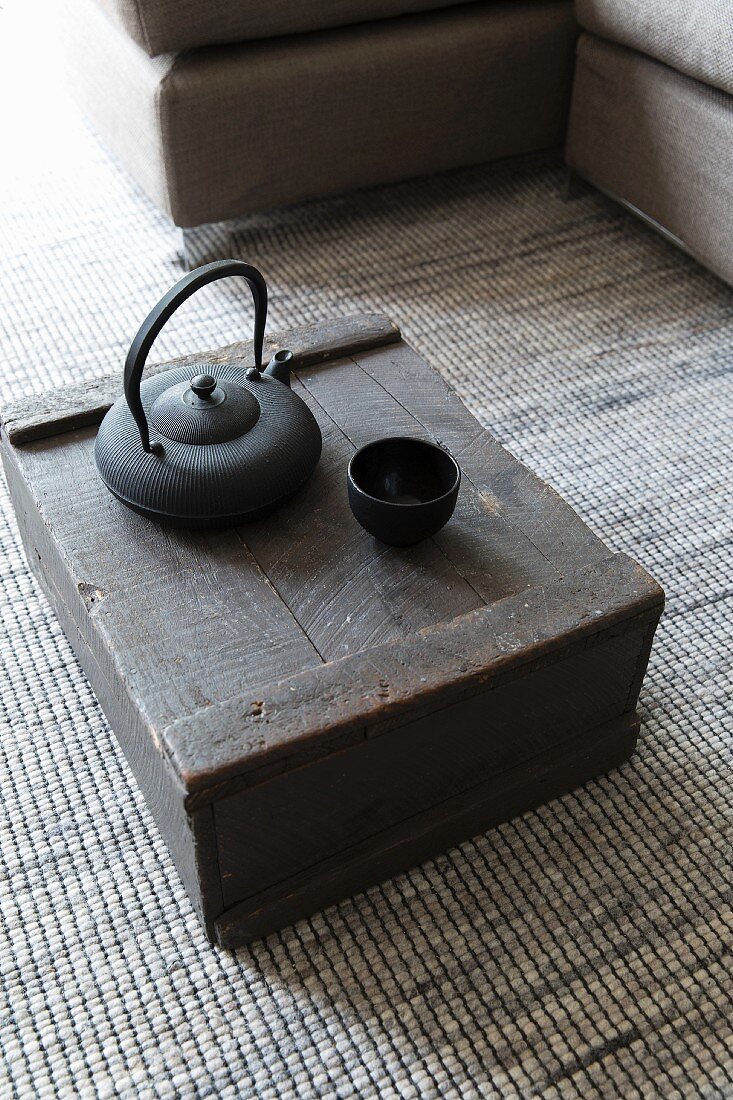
(582, 951)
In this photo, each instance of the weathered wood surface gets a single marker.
(380, 781)
(292, 689)
(511, 494)
(299, 718)
(358, 866)
(158, 781)
(85, 403)
(491, 555)
(305, 602)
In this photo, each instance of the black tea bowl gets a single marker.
(403, 490)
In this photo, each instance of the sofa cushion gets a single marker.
(693, 36)
(644, 133)
(215, 134)
(163, 26)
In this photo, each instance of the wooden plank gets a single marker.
(85, 403)
(348, 591)
(492, 555)
(408, 843)
(155, 775)
(413, 383)
(509, 490)
(320, 711)
(381, 781)
(189, 618)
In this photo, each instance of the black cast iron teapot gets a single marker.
(213, 443)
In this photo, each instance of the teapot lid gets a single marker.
(207, 444)
(204, 410)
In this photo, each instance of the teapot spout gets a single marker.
(279, 366)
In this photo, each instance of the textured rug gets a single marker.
(583, 950)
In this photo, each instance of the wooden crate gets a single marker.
(306, 710)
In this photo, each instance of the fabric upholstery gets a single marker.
(657, 139)
(228, 130)
(693, 36)
(118, 88)
(161, 26)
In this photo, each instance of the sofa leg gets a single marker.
(648, 220)
(202, 244)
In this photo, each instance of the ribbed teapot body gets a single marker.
(202, 484)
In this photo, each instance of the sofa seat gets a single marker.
(168, 26)
(219, 132)
(659, 141)
(695, 37)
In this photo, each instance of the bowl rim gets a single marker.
(404, 439)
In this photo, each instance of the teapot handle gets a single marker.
(166, 307)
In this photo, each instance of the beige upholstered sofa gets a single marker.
(219, 108)
(222, 107)
(652, 116)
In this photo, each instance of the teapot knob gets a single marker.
(203, 385)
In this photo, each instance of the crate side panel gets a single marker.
(275, 829)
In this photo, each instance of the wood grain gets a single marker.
(187, 617)
(509, 490)
(493, 555)
(347, 590)
(372, 692)
(380, 781)
(81, 404)
(523, 787)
